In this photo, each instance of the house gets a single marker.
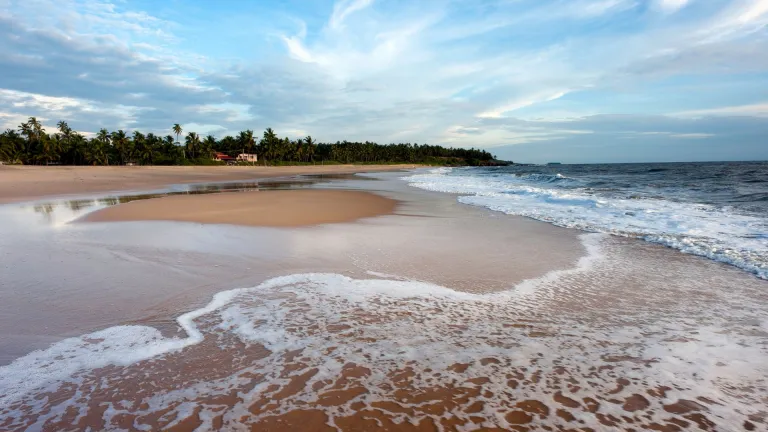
(223, 157)
(247, 157)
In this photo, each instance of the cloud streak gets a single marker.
(344, 9)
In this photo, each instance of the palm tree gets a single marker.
(66, 132)
(97, 153)
(311, 146)
(77, 149)
(269, 144)
(206, 149)
(50, 148)
(97, 148)
(193, 143)
(177, 130)
(104, 136)
(143, 145)
(11, 146)
(246, 141)
(33, 131)
(120, 143)
(299, 150)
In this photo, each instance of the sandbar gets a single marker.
(278, 208)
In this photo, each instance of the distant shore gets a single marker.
(25, 183)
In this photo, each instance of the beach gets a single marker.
(247, 299)
(23, 183)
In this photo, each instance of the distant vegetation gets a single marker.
(32, 145)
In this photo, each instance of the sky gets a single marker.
(536, 81)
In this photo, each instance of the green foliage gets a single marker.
(32, 145)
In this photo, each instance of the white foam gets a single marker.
(119, 345)
(125, 345)
(699, 229)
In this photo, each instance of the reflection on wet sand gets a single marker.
(50, 210)
(78, 205)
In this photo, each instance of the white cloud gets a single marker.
(753, 11)
(670, 6)
(692, 135)
(755, 110)
(297, 50)
(24, 100)
(593, 9)
(521, 103)
(344, 8)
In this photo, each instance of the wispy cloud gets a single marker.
(670, 6)
(345, 8)
(756, 110)
(520, 103)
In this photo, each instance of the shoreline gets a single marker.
(33, 183)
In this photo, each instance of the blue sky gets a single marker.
(531, 80)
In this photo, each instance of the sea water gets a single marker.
(714, 210)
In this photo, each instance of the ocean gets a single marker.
(714, 210)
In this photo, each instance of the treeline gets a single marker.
(32, 145)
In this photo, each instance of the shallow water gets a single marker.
(441, 317)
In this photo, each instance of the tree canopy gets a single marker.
(32, 145)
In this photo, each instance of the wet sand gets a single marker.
(287, 208)
(436, 317)
(149, 271)
(24, 183)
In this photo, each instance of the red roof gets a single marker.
(223, 156)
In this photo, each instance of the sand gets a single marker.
(286, 208)
(24, 183)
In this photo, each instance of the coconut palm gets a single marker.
(66, 133)
(206, 149)
(193, 143)
(269, 144)
(143, 146)
(11, 146)
(77, 149)
(121, 144)
(247, 141)
(177, 130)
(33, 131)
(96, 153)
(311, 146)
(104, 137)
